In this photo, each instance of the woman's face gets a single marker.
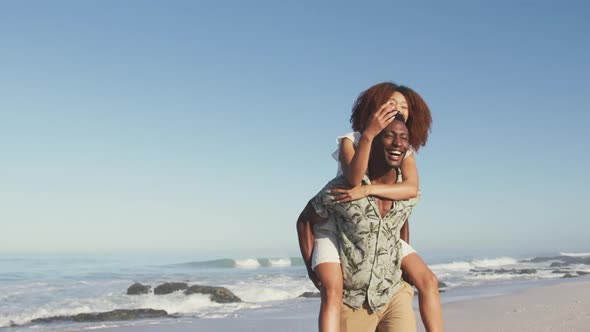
(399, 103)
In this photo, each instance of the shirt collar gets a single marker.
(367, 181)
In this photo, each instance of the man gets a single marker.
(375, 296)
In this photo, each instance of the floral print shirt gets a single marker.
(370, 248)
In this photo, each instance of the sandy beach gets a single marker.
(562, 307)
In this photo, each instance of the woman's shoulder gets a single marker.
(354, 136)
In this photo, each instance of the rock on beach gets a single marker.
(138, 289)
(216, 294)
(121, 314)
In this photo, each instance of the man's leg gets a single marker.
(358, 320)
(398, 315)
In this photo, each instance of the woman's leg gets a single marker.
(428, 297)
(330, 275)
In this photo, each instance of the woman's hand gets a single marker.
(379, 119)
(344, 194)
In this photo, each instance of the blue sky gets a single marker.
(204, 127)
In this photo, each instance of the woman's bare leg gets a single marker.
(330, 275)
(428, 297)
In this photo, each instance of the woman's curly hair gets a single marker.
(419, 118)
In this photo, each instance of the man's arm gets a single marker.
(306, 220)
(404, 233)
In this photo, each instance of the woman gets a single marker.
(374, 109)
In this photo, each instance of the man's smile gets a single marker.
(394, 155)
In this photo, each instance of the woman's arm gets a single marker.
(355, 160)
(406, 189)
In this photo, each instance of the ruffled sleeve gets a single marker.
(354, 137)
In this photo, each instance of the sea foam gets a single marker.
(452, 267)
(573, 254)
(247, 263)
(494, 262)
(280, 262)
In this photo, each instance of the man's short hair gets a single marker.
(399, 117)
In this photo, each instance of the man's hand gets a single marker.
(314, 278)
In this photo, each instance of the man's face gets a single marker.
(392, 144)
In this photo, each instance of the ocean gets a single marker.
(33, 287)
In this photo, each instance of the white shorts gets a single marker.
(325, 246)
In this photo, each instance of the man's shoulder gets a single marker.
(338, 180)
(322, 201)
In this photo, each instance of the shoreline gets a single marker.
(562, 305)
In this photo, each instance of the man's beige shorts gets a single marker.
(396, 316)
